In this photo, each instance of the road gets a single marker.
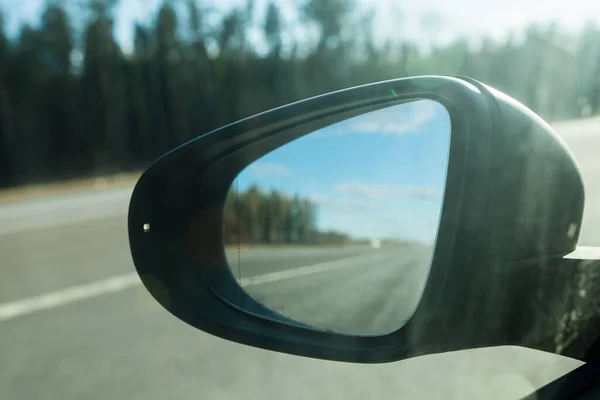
(75, 322)
(372, 293)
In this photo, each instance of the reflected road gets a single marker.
(372, 293)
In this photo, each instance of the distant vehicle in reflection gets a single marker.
(376, 244)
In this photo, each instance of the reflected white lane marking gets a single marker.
(118, 283)
(70, 295)
(309, 269)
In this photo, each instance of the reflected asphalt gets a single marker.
(123, 345)
(373, 293)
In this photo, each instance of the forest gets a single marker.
(74, 103)
(272, 217)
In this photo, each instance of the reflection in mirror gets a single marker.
(337, 229)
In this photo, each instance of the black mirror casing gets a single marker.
(513, 197)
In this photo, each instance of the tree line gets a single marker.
(74, 103)
(272, 217)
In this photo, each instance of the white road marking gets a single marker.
(307, 270)
(119, 283)
(70, 295)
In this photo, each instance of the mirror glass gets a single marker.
(336, 229)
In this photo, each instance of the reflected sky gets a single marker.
(378, 175)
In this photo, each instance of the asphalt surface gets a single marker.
(369, 294)
(75, 322)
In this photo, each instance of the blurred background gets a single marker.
(104, 86)
(91, 92)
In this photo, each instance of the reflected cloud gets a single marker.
(345, 204)
(364, 189)
(376, 191)
(269, 169)
(392, 121)
(321, 199)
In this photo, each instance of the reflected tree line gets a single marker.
(272, 217)
(74, 103)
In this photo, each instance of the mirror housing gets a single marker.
(513, 201)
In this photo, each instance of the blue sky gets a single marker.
(424, 21)
(380, 174)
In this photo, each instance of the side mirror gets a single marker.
(480, 192)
